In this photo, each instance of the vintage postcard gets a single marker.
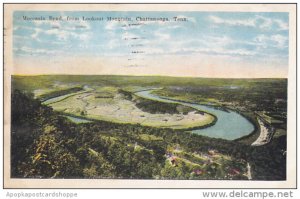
(150, 95)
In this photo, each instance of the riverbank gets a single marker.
(123, 109)
(207, 120)
(247, 139)
(230, 125)
(265, 136)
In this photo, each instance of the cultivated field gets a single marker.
(107, 104)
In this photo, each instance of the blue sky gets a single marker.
(240, 40)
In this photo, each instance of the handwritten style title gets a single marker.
(108, 19)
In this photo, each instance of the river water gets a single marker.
(230, 125)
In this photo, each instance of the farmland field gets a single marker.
(98, 105)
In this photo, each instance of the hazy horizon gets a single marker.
(30, 75)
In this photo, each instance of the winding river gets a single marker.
(230, 125)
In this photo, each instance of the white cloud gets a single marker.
(162, 36)
(61, 34)
(36, 33)
(212, 45)
(269, 23)
(159, 39)
(216, 50)
(276, 40)
(128, 35)
(66, 25)
(46, 22)
(113, 43)
(264, 23)
(62, 30)
(152, 50)
(281, 24)
(111, 25)
(206, 41)
(34, 51)
(217, 41)
(242, 52)
(233, 22)
(280, 40)
(174, 27)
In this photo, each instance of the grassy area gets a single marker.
(103, 100)
(106, 100)
(147, 137)
(121, 110)
(62, 97)
(133, 83)
(59, 92)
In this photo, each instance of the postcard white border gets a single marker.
(116, 183)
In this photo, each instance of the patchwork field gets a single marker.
(108, 104)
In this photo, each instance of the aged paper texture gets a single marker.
(150, 95)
